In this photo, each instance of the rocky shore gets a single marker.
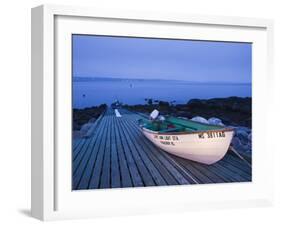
(83, 119)
(235, 111)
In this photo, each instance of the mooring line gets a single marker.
(239, 156)
(179, 166)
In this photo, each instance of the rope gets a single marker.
(239, 156)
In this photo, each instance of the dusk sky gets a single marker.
(199, 61)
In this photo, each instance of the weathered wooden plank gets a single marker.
(229, 173)
(105, 174)
(77, 160)
(89, 161)
(218, 171)
(146, 176)
(225, 177)
(126, 180)
(238, 163)
(241, 164)
(78, 148)
(224, 173)
(234, 170)
(247, 156)
(208, 171)
(76, 142)
(114, 164)
(135, 176)
(96, 173)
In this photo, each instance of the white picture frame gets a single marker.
(52, 197)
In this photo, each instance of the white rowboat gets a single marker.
(196, 141)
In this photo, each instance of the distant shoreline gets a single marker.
(112, 79)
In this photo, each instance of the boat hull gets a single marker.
(205, 147)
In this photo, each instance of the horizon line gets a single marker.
(157, 79)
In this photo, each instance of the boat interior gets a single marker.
(172, 124)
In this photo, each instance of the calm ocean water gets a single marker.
(93, 93)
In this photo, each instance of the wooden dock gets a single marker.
(116, 154)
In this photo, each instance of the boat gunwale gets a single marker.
(188, 132)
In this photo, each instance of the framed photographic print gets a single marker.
(141, 112)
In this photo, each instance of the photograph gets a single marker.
(150, 111)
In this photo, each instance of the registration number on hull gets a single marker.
(211, 134)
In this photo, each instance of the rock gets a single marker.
(76, 134)
(242, 140)
(86, 126)
(215, 121)
(82, 116)
(232, 110)
(238, 146)
(243, 128)
(75, 126)
(92, 120)
(84, 129)
(200, 119)
(243, 136)
(250, 138)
